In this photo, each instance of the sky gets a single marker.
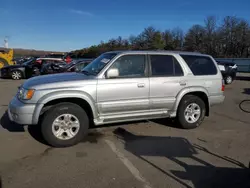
(66, 25)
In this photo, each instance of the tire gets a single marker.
(228, 79)
(16, 75)
(3, 63)
(186, 102)
(56, 111)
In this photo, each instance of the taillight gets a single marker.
(222, 85)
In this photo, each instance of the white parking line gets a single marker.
(135, 172)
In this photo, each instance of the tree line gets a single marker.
(227, 38)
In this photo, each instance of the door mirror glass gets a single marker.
(113, 73)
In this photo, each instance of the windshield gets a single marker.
(99, 63)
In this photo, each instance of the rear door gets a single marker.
(166, 80)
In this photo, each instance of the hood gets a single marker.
(60, 80)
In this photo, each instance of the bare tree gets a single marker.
(194, 39)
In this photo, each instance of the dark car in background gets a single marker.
(21, 60)
(28, 69)
(17, 72)
(228, 71)
(74, 66)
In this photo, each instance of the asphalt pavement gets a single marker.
(145, 154)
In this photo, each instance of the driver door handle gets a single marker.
(140, 85)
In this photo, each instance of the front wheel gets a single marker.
(64, 125)
(191, 112)
(16, 75)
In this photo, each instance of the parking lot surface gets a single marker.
(148, 154)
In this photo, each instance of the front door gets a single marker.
(166, 81)
(128, 93)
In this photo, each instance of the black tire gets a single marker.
(53, 113)
(228, 79)
(187, 100)
(3, 63)
(16, 75)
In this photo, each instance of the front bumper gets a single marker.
(20, 112)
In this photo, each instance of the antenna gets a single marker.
(6, 45)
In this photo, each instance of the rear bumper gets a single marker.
(215, 100)
(20, 113)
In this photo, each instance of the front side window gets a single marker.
(165, 66)
(200, 65)
(130, 66)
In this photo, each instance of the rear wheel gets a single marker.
(64, 125)
(3, 63)
(191, 112)
(16, 75)
(228, 79)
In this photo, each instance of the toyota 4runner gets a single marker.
(120, 86)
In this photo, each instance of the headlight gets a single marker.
(25, 94)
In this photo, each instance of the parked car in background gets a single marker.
(74, 66)
(52, 68)
(58, 56)
(22, 71)
(44, 61)
(120, 86)
(228, 70)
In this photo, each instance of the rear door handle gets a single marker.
(182, 83)
(140, 85)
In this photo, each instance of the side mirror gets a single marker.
(112, 73)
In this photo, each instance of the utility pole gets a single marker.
(6, 45)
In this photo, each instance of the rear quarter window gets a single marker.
(200, 65)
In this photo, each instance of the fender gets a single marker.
(187, 90)
(62, 95)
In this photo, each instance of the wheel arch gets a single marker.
(196, 91)
(76, 98)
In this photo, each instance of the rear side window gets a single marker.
(200, 65)
(165, 65)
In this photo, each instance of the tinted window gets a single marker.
(165, 65)
(200, 65)
(130, 66)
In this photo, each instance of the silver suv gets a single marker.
(120, 86)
